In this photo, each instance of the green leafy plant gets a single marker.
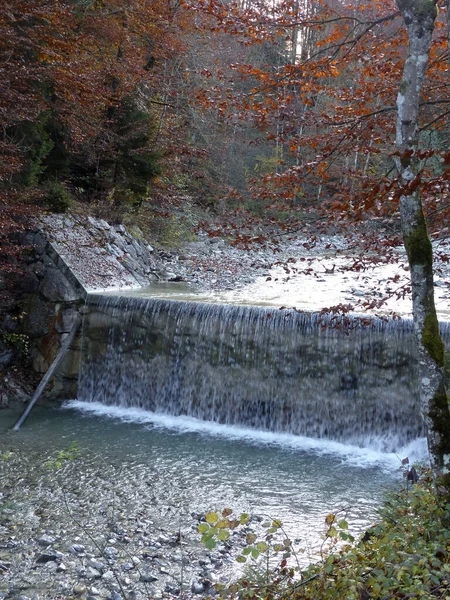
(62, 456)
(404, 555)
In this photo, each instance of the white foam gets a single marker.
(350, 454)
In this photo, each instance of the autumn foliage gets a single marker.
(284, 110)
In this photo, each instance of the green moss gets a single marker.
(403, 86)
(419, 247)
(431, 339)
(440, 417)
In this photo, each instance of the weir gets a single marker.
(268, 369)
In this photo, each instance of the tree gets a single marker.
(337, 104)
(419, 17)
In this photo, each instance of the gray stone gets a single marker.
(197, 587)
(76, 549)
(65, 320)
(49, 556)
(92, 573)
(55, 287)
(96, 564)
(6, 358)
(110, 551)
(61, 568)
(103, 225)
(79, 589)
(9, 324)
(37, 317)
(94, 591)
(115, 596)
(108, 576)
(147, 578)
(28, 282)
(46, 540)
(172, 589)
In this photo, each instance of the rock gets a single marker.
(94, 591)
(115, 596)
(92, 573)
(96, 564)
(28, 282)
(79, 589)
(197, 587)
(172, 589)
(6, 358)
(46, 540)
(65, 320)
(56, 288)
(37, 317)
(61, 568)
(108, 576)
(48, 556)
(76, 549)
(147, 578)
(110, 551)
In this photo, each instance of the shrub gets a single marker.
(57, 197)
(404, 555)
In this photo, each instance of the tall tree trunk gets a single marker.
(419, 17)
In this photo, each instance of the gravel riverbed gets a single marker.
(80, 526)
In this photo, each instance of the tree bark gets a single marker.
(419, 17)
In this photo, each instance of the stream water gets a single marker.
(186, 465)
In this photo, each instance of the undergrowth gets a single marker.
(405, 555)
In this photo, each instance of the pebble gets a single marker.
(197, 587)
(147, 578)
(94, 591)
(46, 540)
(96, 564)
(78, 590)
(92, 573)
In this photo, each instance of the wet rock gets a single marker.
(48, 556)
(46, 540)
(147, 578)
(92, 573)
(94, 591)
(172, 589)
(79, 589)
(197, 587)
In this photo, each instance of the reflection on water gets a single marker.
(309, 286)
(298, 480)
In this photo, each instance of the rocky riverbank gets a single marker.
(69, 530)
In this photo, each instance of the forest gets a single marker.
(256, 121)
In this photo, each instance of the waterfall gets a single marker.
(268, 369)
